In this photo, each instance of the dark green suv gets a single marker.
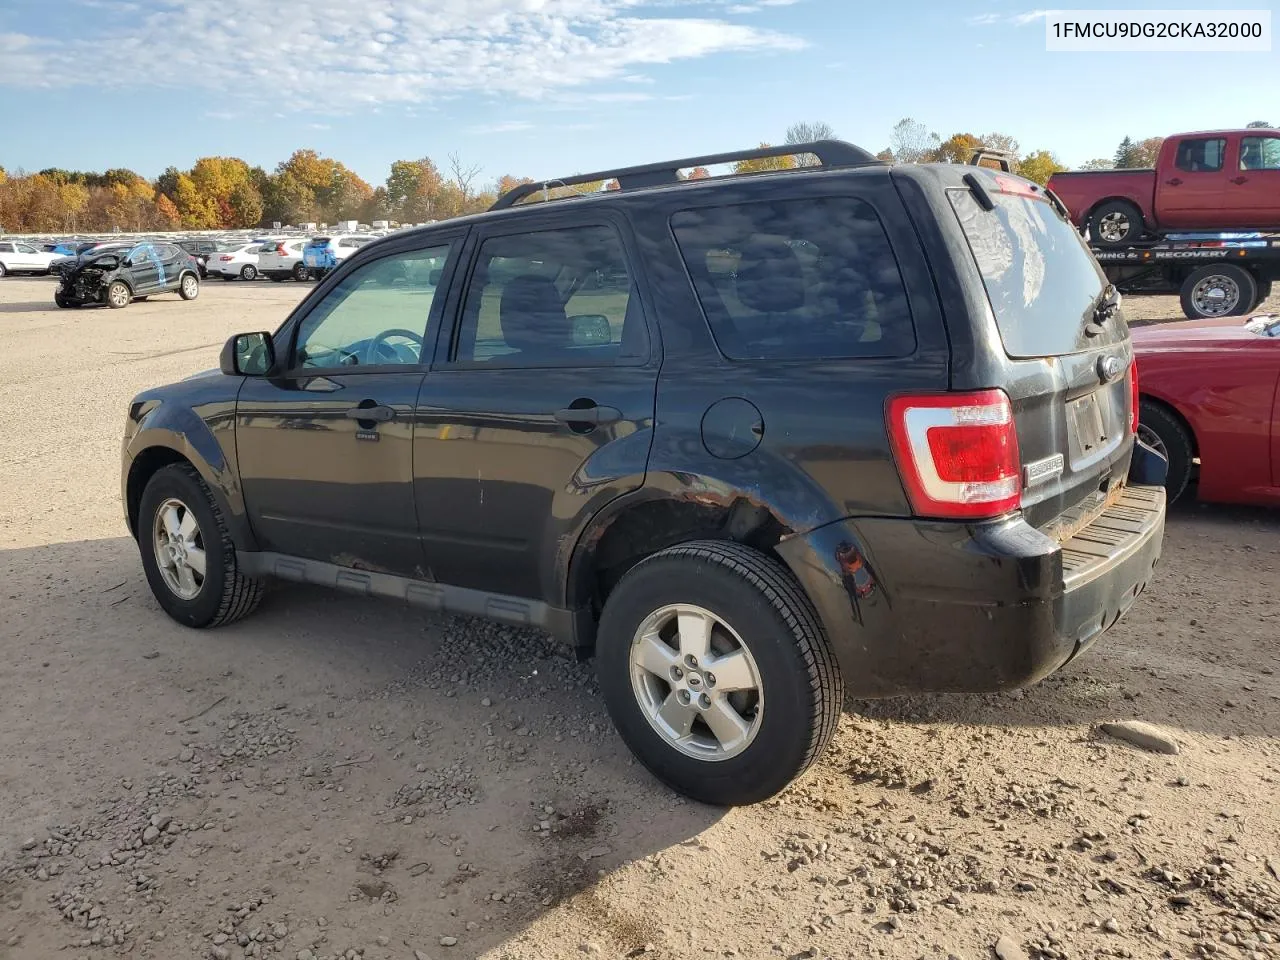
(752, 441)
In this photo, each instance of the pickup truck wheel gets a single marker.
(1161, 430)
(1115, 223)
(716, 672)
(1219, 290)
(118, 295)
(187, 553)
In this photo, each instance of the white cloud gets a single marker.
(339, 55)
(1016, 19)
(505, 126)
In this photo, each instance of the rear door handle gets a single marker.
(594, 415)
(1174, 181)
(376, 413)
(1239, 179)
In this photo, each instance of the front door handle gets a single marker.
(1239, 179)
(593, 415)
(1174, 181)
(375, 412)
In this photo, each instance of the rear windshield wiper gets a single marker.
(1104, 308)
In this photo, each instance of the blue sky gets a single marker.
(552, 87)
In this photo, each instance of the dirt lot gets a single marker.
(340, 777)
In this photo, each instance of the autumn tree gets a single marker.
(957, 148)
(761, 164)
(197, 211)
(167, 215)
(463, 174)
(808, 132)
(1098, 163)
(1146, 152)
(1039, 166)
(911, 141)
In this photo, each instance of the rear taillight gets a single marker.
(957, 453)
(1133, 396)
(226, 256)
(281, 251)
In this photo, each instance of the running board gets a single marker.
(574, 628)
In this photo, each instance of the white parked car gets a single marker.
(283, 259)
(234, 260)
(322, 254)
(17, 256)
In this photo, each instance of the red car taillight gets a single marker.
(281, 251)
(957, 453)
(1133, 396)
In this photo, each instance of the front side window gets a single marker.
(793, 279)
(554, 298)
(376, 316)
(1260, 153)
(1200, 156)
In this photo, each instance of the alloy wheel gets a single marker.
(179, 549)
(696, 682)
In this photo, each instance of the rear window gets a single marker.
(797, 279)
(1040, 278)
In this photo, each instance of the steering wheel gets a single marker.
(379, 350)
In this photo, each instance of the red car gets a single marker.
(1210, 393)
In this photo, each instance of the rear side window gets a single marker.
(1200, 156)
(796, 279)
(1040, 278)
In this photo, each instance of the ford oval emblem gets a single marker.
(1109, 368)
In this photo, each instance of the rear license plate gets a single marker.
(1088, 429)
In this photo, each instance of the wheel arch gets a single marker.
(1173, 410)
(1118, 198)
(640, 524)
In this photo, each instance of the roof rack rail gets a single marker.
(1002, 157)
(830, 153)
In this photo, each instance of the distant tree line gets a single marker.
(227, 193)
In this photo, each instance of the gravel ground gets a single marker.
(337, 777)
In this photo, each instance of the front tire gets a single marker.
(188, 287)
(1161, 429)
(1115, 223)
(3, 270)
(716, 672)
(187, 552)
(60, 300)
(1218, 290)
(118, 295)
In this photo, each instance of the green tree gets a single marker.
(1039, 166)
(246, 205)
(1258, 125)
(1125, 154)
(1098, 163)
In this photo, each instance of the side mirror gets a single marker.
(126, 262)
(591, 329)
(108, 263)
(248, 355)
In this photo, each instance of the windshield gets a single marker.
(1041, 279)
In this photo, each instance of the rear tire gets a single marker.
(1161, 429)
(1115, 223)
(248, 272)
(1264, 294)
(1218, 290)
(221, 594)
(300, 271)
(748, 602)
(3, 271)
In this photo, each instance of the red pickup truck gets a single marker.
(1218, 180)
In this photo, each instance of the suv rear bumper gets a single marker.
(914, 606)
